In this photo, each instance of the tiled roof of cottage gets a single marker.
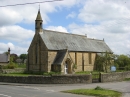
(3, 58)
(19, 60)
(57, 41)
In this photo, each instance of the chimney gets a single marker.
(8, 54)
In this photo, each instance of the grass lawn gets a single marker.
(15, 74)
(22, 74)
(87, 72)
(28, 74)
(98, 92)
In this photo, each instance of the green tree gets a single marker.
(6, 53)
(104, 61)
(23, 56)
(123, 62)
(11, 64)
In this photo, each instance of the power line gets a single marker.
(30, 3)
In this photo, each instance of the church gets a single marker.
(62, 52)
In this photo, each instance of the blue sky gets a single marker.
(108, 19)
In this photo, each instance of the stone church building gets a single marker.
(62, 52)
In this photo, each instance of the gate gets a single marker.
(96, 77)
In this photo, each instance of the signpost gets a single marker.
(113, 68)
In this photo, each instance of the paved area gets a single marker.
(53, 90)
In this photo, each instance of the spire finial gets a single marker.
(39, 6)
(39, 14)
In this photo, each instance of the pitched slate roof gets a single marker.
(3, 58)
(56, 41)
(59, 57)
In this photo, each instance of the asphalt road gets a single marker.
(53, 90)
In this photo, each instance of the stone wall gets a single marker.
(60, 79)
(64, 79)
(51, 58)
(17, 70)
(4, 64)
(115, 76)
(37, 55)
(82, 58)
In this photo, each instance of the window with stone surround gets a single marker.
(75, 58)
(90, 58)
(36, 54)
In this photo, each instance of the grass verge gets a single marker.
(31, 74)
(127, 79)
(15, 74)
(98, 92)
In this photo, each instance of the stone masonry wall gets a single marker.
(117, 76)
(13, 70)
(51, 58)
(60, 79)
(3, 64)
(87, 66)
(79, 62)
(37, 48)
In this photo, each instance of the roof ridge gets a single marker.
(65, 33)
(72, 34)
(94, 39)
(55, 40)
(3, 54)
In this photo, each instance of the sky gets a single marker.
(98, 19)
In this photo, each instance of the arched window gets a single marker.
(41, 25)
(36, 25)
(36, 54)
(68, 66)
(90, 58)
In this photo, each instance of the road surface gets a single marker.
(53, 90)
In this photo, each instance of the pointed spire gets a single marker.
(39, 15)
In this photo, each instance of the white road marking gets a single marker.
(50, 91)
(32, 88)
(5, 95)
(29, 87)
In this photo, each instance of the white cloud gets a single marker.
(107, 19)
(9, 17)
(106, 11)
(27, 13)
(118, 42)
(14, 49)
(57, 28)
(3, 47)
(71, 15)
(15, 33)
(11, 46)
(15, 37)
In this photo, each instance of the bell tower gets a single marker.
(38, 23)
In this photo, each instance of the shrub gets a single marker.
(21, 65)
(98, 88)
(12, 66)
